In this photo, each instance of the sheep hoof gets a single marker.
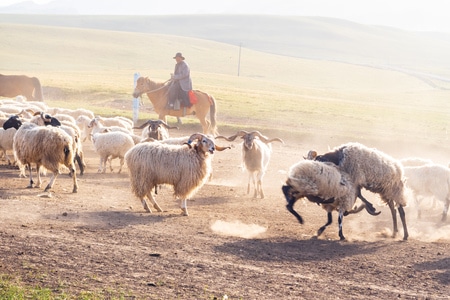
(156, 206)
(184, 212)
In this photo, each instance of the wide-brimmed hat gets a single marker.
(179, 55)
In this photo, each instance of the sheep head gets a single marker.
(204, 143)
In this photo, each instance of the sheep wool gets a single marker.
(49, 147)
(375, 171)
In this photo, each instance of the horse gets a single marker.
(157, 93)
(15, 85)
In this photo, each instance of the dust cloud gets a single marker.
(237, 229)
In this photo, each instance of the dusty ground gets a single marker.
(101, 240)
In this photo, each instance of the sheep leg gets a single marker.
(121, 164)
(74, 177)
(259, 184)
(329, 221)
(109, 159)
(100, 167)
(52, 180)
(31, 177)
(38, 170)
(184, 210)
(79, 161)
(340, 219)
(401, 212)
(153, 201)
(444, 213)
(394, 217)
(145, 204)
(287, 191)
(369, 207)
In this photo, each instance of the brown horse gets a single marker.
(157, 93)
(15, 85)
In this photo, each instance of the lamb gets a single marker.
(97, 126)
(49, 147)
(83, 123)
(155, 129)
(375, 171)
(110, 145)
(323, 184)
(186, 167)
(429, 180)
(256, 153)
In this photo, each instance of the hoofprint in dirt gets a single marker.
(100, 239)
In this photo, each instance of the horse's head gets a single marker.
(141, 87)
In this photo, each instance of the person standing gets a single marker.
(181, 82)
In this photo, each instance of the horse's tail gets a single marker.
(37, 89)
(212, 115)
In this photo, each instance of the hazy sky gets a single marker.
(422, 15)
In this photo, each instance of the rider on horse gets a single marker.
(181, 83)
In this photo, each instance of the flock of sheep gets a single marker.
(48, 138)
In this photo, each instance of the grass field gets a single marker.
(94, 69)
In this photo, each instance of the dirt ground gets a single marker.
(230, 246)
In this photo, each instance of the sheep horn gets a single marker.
(233, 137)
(266, 139)
(194, 137)
(312, 154)
(161, 122)
(142, 126)
(220, 148)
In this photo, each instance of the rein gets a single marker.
(160, 88)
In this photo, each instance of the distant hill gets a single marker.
(424, 54)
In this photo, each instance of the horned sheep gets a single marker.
(155, 129)
(429, 180)
(110, 145)
(256, 153)
(323, 184)
(49, 147)
(185, 167)
(375, 171)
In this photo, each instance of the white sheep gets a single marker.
(116, 121)
(75, 113)
(49, 147)
(110, 145)
(6, 141)
(375, 171)
(96, 126)
(83, 123)
(323, 184)
(185, 167)
(256, 153)
(429, 180)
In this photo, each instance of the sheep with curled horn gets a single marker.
(155, 129)
(185, 167)
(256, 153)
